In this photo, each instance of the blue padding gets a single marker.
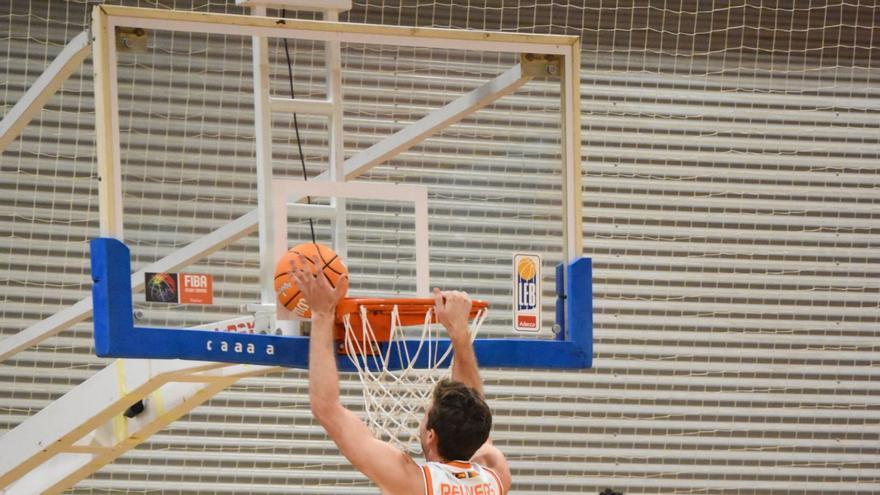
(560, 301)
(579, 310)
(116, 335)
(111, 294)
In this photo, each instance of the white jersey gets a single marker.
(460, 478)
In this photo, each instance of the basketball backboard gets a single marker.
(402, 224)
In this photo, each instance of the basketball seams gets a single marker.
(332, 263)
(328, 265)
(292, 298)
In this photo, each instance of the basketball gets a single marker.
(286, 290)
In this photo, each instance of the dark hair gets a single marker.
(460, 418)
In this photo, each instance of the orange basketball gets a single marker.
(288, 293)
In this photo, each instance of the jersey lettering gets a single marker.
(481, 489)
(460, 478)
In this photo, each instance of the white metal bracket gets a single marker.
(131, 40)
(541, 65)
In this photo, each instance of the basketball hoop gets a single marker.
(397, 371)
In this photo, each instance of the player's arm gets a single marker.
(388, 467)
(453, 311)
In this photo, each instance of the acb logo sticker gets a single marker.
(527, 293)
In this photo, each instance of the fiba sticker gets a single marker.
(527, 291)
(181, 288)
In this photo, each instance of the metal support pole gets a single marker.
(337, 140)
(263, 134)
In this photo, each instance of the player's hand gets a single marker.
(315, 286)
(453, 309)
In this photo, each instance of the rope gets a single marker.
(395, 400)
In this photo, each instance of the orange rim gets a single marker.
(405, 305)
(411, 311)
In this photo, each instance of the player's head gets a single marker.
(457, 422)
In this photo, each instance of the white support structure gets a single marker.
(263, 135)
(333, 51)
(308, 107)
(85, 429)
(264, 105)
(312, 211)
(66, 63)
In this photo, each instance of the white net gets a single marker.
(398, 380)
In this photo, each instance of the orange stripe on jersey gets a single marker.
(459, 464)
(429, 485)
(497, 479)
